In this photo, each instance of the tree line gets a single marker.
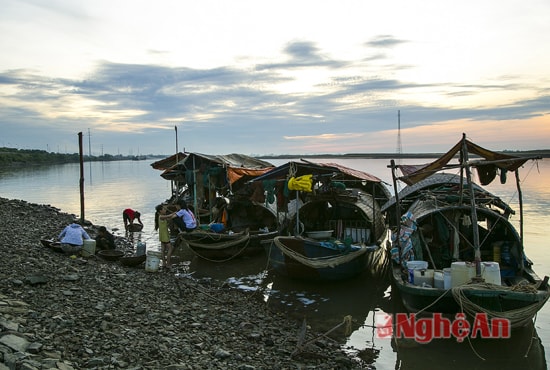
(14, 157)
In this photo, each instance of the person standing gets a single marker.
(72, 238)
(129, 215)
(161, 224)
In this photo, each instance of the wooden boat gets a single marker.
(332, 203)
(200, 179)
(470, 234)
(247, 226)
(345, 232)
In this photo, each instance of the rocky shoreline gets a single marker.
(86, 313)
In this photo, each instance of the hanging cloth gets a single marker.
(269, 187)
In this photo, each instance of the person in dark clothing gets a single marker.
(104, 239)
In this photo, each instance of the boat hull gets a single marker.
(471, 299)
(217, 247)
(292, 264)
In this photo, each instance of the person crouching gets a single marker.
(72, 238)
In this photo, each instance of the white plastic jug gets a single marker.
(462, 272)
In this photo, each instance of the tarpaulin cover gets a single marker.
(413, 174)
(236, 173)
(237, 166)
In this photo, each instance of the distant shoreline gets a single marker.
(530, 153)
(11, 157)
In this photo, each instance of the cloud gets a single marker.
(384, 41)
(305, 101)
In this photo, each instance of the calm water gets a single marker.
(112, 186)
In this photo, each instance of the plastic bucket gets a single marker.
(88, 248)
(152, 262)
(462, 273)
(490, 271)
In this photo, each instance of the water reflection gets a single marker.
(524, 350)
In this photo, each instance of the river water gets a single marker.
(111, 187)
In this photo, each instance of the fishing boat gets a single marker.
(201, 179)
(239, 229)
(339, 236)
(331, 229)
(455, 249)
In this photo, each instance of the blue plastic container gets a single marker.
(218, 228)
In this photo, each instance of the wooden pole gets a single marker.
(520, 198)
(397, 211)
(475, 230)
(177, 185)
(81, 156)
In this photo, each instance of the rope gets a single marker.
(320, 262)
(292, 170)
(219, 246)
(300, 346)
(518, 317)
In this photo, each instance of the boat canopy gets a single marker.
(442, 183)
(168, 162)
(352, 178)
(237, 167)
(487, 168)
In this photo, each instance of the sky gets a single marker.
(274, 77)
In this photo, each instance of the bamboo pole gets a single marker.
(475, 230)
(520, 199)
(81, 158)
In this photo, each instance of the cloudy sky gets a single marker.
(274, 77)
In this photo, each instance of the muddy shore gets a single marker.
(88, 313)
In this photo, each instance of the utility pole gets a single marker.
(399, 147)
(90, 153)
(89, 145)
